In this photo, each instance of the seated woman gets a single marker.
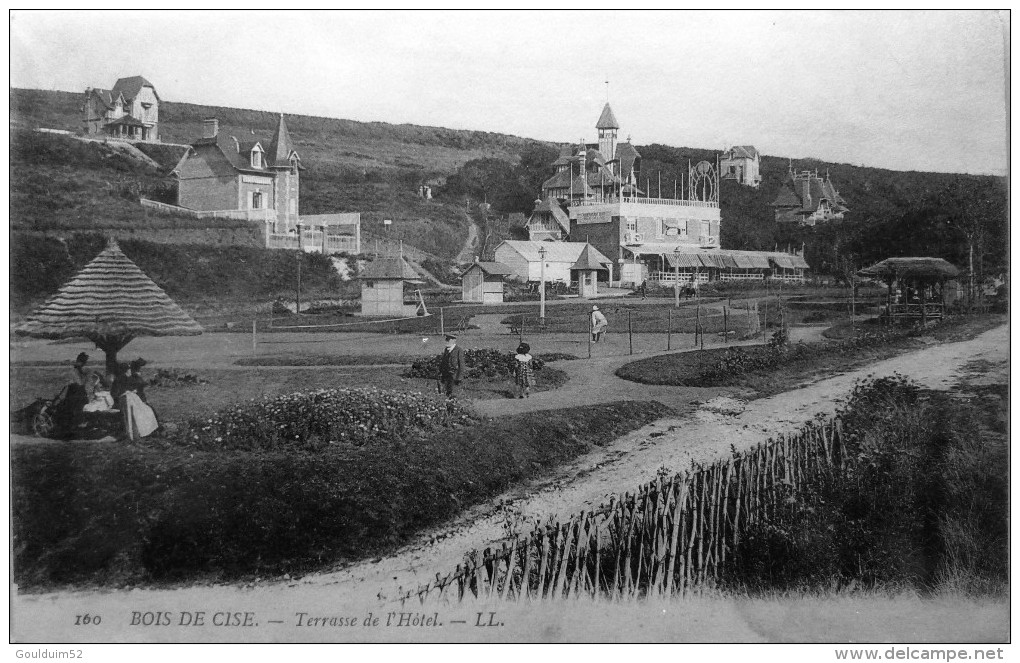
(68, 407)
(100, 399)
(129, 390)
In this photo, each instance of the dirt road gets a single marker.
(623, 465)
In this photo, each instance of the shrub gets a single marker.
(171, 377)
(321, 418)
(480, 363)
(925, 501)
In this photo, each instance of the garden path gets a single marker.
(588, 481)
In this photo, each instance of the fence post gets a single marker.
(253, 346)
(589, 334)
(520, 331)
(442, 326)
(725, 326)
(630, 332)
(669, 329)
(697, 324)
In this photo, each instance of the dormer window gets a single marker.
(256, 157)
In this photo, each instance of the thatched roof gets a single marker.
(912, 268)
(111, 296)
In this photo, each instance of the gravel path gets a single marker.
(583, 484)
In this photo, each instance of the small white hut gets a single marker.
(382, 288)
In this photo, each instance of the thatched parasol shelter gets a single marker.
(110, 302)
(920, 274)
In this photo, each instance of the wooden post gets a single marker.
(702, 327)
(697, 324)
(442, 326)
(630, 332)
(297, 305)
(253, 346)
(725, 326)
(669, 328)
(589, 335)
(520, 331)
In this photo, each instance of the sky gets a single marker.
(909, 90)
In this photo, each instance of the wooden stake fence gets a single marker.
(672, 536)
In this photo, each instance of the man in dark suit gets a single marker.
(451, 366)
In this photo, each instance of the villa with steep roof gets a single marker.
(741, 163)
(807, 199)
(127, 111)
(637, 237)
(258, 180)
(597, 186)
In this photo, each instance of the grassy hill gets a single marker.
(368, 167)
(375, 168)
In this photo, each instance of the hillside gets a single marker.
(375, 168)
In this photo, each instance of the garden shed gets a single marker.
(382, 288)
(483, 282)
(916, 286)
(586, 269)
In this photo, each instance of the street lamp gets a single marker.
(541, 290)
(676, 272)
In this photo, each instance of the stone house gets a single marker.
(259, 177)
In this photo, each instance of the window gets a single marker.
(256, 200)
(256, 159)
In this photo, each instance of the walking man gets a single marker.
(451, 366)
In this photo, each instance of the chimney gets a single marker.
(211, 127)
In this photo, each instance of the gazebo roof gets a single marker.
(912, 268)
(111, 296)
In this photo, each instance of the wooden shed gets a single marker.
(382, 288)
(483, 282)
(587, 268)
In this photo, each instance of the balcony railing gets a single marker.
(674, 202)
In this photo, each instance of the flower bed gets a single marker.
(321, 418)
(479, 362)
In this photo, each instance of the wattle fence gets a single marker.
(672, 536)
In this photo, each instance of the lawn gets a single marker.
(177, 404)
(761, 370)
(109, 514)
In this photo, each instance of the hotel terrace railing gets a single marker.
(675, 202)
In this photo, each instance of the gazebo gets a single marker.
(110, 302)
(918, 278)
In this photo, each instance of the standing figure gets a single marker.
(451, 366)
(644, 289)
(524, 370)
(598, 324)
